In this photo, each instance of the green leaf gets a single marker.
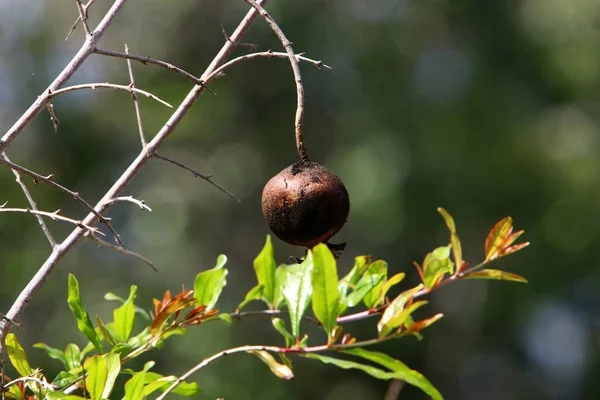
(399, 370)
(73, 356)
(347, 364)
(64, 379)
(84, 323)
(393, 315)
(97, 374)
(361, 264)
(113, 297)
(436, 264)
(53, 353)
(134, 387)
(63, 396)
(394, 280)
(17, 356)
(125, 317)
(113, 365)
(256, 293)
(399, 319)
(297, 290)
(279, 325)
(225, 318)
(370, 280)
(454, 240)
(495, 274)
(374, 297)
(154, 381)
(325, 298)
(265, 266)
(105, 332)
(281, 371)
(209, 284)
(280, 277)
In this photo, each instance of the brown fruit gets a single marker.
(305, 204)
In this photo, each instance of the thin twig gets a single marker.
(48, 180)
(83, 17)
(130, 199)
(149, 60)
(299, 122)
(32, 203)
(197, 174)
(252, 46)
(270, 313)
(40, 382)
(208, 360)
(85, 10)
(55, 216)
(136, 103)
(122, 250)
(13, 323)
(131, 172)
(94, 86)
(43, 99)
(53, 118)
(267, 54)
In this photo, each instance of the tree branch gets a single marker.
(299, 122)
(84, 52)
(107, 85)
(121, 250)
(55, 216)
(136, 103)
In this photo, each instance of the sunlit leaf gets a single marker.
(394, 280)
(52, 353)
(64, 379)
(325, 298)
(370, 280)
(415, 327)
(436, 264)
(63, 396)
(113, 297)
(134, 387)
(454, 240)
(97, 374)
(209, 284)
(496, 275)
(104, 332)
(347, 364)
(264, 266)
(297, 290)
(394, 315)
(282, 371)
(17, 356)
(125, 317)
(225, 318)
(399, 370)
(496, 238)
(154, 381)
(73, 356)
(374, 297)
(348, 282)
(84, 323)
(279, 325)
(256, 293)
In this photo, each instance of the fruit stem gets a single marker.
(299, 121)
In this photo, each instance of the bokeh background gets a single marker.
(487, 108)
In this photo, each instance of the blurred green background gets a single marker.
(487, 108)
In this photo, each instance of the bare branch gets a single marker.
(42, 383)
(33, 204)
(107, 85)
(122, 182)
(85, 12)
(84, 52)
(83, 17)
(53, 118)
(268, 54)
(149, 60)
(131, 199)
(48, 180)
(136, 104)
(55, 216)
(121, 250)
(197, 174)
(299, 123)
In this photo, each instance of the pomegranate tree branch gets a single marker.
(121, 250)
(299, 122)
(149, 60)
(136, 103)
(107, 85)
(83, 16)
(74, 195)
(43, 99)
(55, 216)
(33, 204)
(128, 175)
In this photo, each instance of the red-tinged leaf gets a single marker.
(436, 264)
(454, 240)
(512, 238)
(170, 306)
(497, 237)
(515, 248)
(496, 274)
(391, 317)
(424, 323)
(419, 270)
